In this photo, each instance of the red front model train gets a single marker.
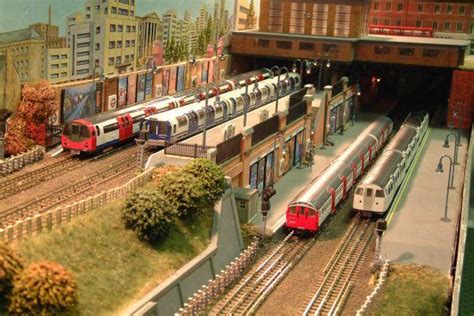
(322, 195)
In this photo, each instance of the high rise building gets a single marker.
(170, 26)
(109, 32)
(150, 29)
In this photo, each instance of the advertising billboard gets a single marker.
(132, 89)
(122, 92)
(78, 101)
(180, 84)
(148, 85)
(172, 83)
(141, 88)
(166, 78)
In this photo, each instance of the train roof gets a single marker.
(385, 166)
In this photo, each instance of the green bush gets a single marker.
(43, 288)
(210, 176)
(10, 265)
(184, 192)
(149, 214)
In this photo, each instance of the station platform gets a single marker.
(296, 179)
(416, 233)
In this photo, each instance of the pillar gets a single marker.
(246, 148)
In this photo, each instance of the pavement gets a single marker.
(296, 179)
(416, 233)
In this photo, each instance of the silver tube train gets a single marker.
(377, 190)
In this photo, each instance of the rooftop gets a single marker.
(19, 35)
(415, 40)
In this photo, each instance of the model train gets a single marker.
(377, 190)
(98, 132)
(178, 124)
(321, 196)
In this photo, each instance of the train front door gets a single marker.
(369, 195)
(192, 122)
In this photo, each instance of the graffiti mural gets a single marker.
(78, 102)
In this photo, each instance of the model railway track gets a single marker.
(31, 179)
(252, 290)
(72, 191)
(341, 271)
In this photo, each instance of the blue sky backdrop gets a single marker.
(18, 14)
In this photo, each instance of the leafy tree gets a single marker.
(201, 44)
(44, 288)
(184, 192)
(11, 265)
(39, 102)
(210, 177)
(16, 140)
(169, 51)
(149, 214)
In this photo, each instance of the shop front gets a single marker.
(294, 149)
(261, 171)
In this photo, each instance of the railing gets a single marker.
(296, 97)
(296, 112)
(401, 30)
(15, 163)
(53, 136)
(265, 129)
(187, 150)
(228, 149)
(337, 88)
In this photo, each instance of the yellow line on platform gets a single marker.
(407, 177)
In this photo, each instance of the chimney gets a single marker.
(50, 15)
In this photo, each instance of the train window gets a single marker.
(200, 112)
(218, 108)
(98, 130)
(302, 211)
(292, 210)
(85, 133)
(182, 120)
(368, 192)
(138, 119)
(311, 212)
(174, 128)
(76, 129)
(360, 191)
(162, 130)
(67, 130)
(379, 194)
(111, 128)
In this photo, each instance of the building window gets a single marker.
(63, 74)
(124, 1)
(449, 9)
(54, 57)
(82, 71)
(118, 60)
(447, 26)
(376, 21)
(63, 65)
(97, 46)
(127, 58)
(398, 22)
(386, 22)
(376, 5)
(307, 46)
(122, 11)
(127, 43)
(435, 25)
(106, 10)
(462, 9)
(406, 51)
(97, 7)
(54, 76)
(430, 52)
(388, 6)
(134, 28)
(420, 7)
(459, 27)
(128, 28)
(54, 66)
(263, 43)
(88, 8)
(82, 54)
(83, 45)
(133, 43)
(437, 8)
(96, 63)
(111, 44)
(132, 13)
(114, 10)
(112, 27)
(283, 45)
(119, 44)
(82, 62)
(111, 61)
(275, 16)
(119, 28)
(399, 6)
(97, 30)
(84, 35)
(418, 23)
(342, 20)
(330, 48)
(382, 50)
(88, 16)
(132, 57)
(297, 18)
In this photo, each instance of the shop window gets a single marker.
(447, 26)
(388, 6)
(382, 50)
(437, 8)
(406, 51)
(376, 21)
(449, 9)
(376, 5)
(435, 25)
(263, 43)
(418, 23)
(283, 45)
(432, 53)
(420, 7)
(307, 46)
(459, 27)
(400, 6)
(462, 9)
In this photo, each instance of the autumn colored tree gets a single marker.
(16, 140)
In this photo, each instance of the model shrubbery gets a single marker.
(10, 266)
(43, 288)
(149, 213)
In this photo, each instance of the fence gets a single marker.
(296, 112)
(53, 136)
(382, 277)
(228, 149)
(15, 163)
(45, 221)
(187, 150)
(265, 129)
(200, 302)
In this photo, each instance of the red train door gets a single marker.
(344, 186)
(125, 127)
(362, 160)
(333, 199)
(354, 174)
(370, 153)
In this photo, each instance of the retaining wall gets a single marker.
(226, 244)
(15, 163)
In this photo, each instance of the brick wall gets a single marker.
(461, 99)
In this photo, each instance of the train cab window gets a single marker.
(379, 194)
(85, 133)
(67, 130)
(162, 130)
(360, 191)
(182, 120)
(292, 210)
(200, 112)
(311, 213)
(302, 211)
(174, 128)
(368, 192)
(98, 130)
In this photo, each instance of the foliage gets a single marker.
(163, 170)
(11, 265)
(149, 214)
(44, 288)
(39, 102)
(184, 192)
(210, 176)
(37, 132)
(16, 141)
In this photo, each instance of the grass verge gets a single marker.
(412, 290)
(112, 267)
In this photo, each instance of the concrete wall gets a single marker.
(226, 244)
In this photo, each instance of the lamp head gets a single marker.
(446, 143)
(308, 71)
(315, 63)
(358, 93)
(294, 68)
(440, 168)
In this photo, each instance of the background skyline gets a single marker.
(18, 14)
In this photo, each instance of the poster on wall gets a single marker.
(198, 74)
(253, 175)
(158, 90)
(172, 84)
(148, 85)
(141, 88)
(180, 84)
(112, 102)
(210, 72)
(132, 89)
(166, 78)
(269, 170)
(111, 88)
(122, 92)
(204, 73)
(78, 101)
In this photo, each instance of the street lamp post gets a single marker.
(303, 64)
(456, 146)
(204, 125)
(439, 169)
(457, 114)
(278, 71)
(321, 58)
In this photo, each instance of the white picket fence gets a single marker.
(15, 163)
(381, 280)
(46, 220)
